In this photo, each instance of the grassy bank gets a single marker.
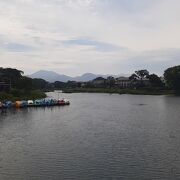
(15, 95)
(119, 91)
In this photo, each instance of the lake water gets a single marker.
(99, 136)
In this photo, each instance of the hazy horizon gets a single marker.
(74, 37)
(120, 74)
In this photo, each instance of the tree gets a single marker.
(155, 80)
(172, 78)
(39, 83)
(25, 83)
(10, 76)
(138, 77)
(59, 84)
(110, 81)
(142, 73)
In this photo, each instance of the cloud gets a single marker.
(15, 47)
(107, 36)
(98, 46)
(156, 61)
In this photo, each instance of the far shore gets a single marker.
(119, 91)
(42, 94)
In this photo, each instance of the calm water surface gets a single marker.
(99, 136)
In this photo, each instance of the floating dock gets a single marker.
(34, 103)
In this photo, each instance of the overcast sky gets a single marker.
(100, 36)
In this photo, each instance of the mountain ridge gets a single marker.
(52, 76)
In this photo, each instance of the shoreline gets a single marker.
(42, 94)
(120, 91)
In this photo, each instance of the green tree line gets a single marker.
(20, 85)
(14, 85)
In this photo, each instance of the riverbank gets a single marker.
(119, 91)
(19, 95)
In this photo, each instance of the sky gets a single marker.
(73, 37)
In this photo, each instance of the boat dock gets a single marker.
(34, 103)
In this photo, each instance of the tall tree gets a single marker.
(172, 78)
(139, 76)
(25, 83)
(155, 80)
(110, 81)
(39, 83)
(10, 75)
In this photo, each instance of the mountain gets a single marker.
(53, 76)
(50, 76)
(85, 77)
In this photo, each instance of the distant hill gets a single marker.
(52, 76)
(85, 77)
